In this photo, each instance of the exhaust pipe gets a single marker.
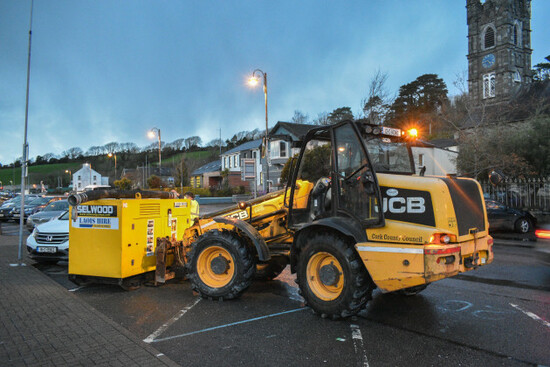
(77, 199)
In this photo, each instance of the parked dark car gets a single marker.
(51, 211)
(504, 218)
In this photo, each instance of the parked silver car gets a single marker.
(51, 211)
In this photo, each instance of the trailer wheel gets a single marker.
(332, 277)
(221, 266)
(271, 269)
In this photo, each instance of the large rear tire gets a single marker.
(221, 265)
(332, 277)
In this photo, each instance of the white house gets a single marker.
(86, 176)
(438, 156)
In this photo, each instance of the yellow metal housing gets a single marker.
(116, 238)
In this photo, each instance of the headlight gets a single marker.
(34, 232)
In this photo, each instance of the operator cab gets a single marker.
(339, 163)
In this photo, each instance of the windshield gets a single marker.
(57, 206)
(64, 216)
(389, 155)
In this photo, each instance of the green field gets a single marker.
(58, 169)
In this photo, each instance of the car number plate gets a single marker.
(1, 214)
(46, 249)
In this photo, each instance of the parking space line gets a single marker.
(358, 345)
(532, 315)
(228, 325)
(166, 325)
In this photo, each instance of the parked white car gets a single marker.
(49, 242)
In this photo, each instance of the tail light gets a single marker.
(442, 238)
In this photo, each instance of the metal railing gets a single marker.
(529, 194)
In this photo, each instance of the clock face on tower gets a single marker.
(488, 61)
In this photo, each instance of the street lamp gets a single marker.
(156, 131)
(110, 155)
(253, 81)
(70, 175)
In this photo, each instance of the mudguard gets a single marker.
(347, 226)
(251, 233)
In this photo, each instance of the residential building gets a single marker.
(86, 177)
(284, 142)
(207, 176)
(438, 156)
(231, 160)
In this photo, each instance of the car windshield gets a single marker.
(64, 216)
(57, 206)
(389, 155)
(38, 201)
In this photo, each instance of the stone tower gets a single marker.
(499, 53)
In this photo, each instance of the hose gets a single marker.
(77, 199)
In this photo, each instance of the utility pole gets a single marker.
(25, 147)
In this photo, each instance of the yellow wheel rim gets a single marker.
(215, 267)
(325, 276)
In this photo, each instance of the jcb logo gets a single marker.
(239, 215)
(411, 205)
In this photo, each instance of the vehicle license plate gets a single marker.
(46, 249)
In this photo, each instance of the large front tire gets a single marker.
(221, 265)
(332, 277)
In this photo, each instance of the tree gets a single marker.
(192, 141)
(322, 119)
(316, 163)
(377, 103)
(123, 184)
(299, 117)
(72, 153)
(155, 182)
(181, 174)
(94, 150)
(340, 114)
(418, 100)
(111, 147)
(541, 71)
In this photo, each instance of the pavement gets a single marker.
(42, 324)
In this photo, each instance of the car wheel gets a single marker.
(523, 225)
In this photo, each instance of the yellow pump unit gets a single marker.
(112, 240)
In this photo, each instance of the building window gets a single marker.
(235, 161)
(254, 155)
(489, 37)
(229, 162)
(283, 149)
(489, 87)
(421, 159)
(79, 177)
(516, 34)
(517, 77)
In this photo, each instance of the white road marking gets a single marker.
(166, 325)
(75, 289)
(532, 315)
(358, 345)
(228, 325)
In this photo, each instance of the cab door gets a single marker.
(355, 184)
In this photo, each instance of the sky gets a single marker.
(104, 70)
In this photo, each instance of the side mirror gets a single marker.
(368, 183)
(495, 178)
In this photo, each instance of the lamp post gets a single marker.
(156, 131)
(70, 175)
(110, 155)
(253, 81)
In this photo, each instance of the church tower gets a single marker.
(499, 49)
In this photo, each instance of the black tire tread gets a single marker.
(241, 281)
(360, 287)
